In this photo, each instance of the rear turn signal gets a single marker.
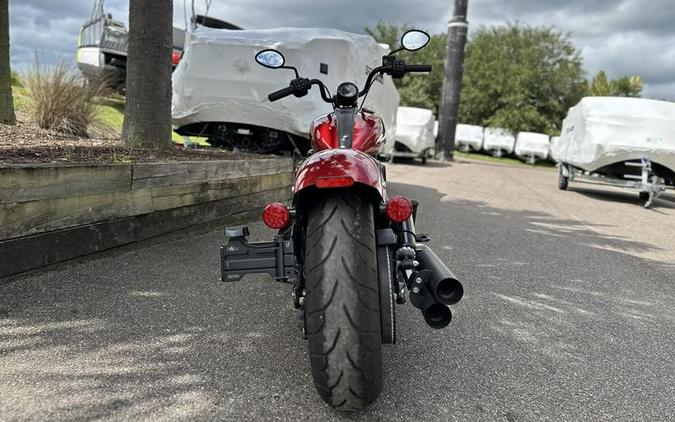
(334, 182)
(175, 58)
(276, 216)
(399, 209)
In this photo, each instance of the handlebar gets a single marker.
(300, 86)
(418, 68)
(282, 93)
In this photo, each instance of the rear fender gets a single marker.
(365, 170)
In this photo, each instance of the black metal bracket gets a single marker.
(240, 257)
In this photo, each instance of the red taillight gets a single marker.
(175, 58)
(399, 209)
(276, 216)
(334, 182)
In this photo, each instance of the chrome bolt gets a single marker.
(416, 290)
(418, 280)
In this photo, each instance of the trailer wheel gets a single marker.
(563, 181)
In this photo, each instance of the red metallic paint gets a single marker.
(368, 133)
(361, 167)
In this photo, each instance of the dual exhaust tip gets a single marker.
(433, 288)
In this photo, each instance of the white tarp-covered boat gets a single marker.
(414, 131)
(469, 137)
(603, 131)
(531, 145)
(219, 85)
(498, 141)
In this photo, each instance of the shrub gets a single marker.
(61, 100)
(16, 79)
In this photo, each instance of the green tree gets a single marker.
(521, 78)
(626, 86)
(422, 91)
(600, 85)
(147, 116)
(7, 115)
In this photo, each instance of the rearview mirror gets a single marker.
(414, 40)
(270, 58)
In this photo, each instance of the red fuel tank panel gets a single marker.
(368, 133)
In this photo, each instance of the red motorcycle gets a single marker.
(350, 252)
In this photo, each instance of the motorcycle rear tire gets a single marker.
(342, 301)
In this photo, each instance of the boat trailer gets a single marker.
(648, 185)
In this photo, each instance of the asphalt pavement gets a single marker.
(568, 314)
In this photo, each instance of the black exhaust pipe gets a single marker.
(436, 314)
(442, 283)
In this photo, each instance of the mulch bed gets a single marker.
(25, 143)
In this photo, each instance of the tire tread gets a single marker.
(343, 317)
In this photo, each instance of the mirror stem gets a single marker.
(297, 75)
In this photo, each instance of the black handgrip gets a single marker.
(282, 93)
(418, 68)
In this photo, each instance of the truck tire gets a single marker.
(563, 181)
(342, 301)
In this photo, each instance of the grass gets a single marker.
(21, 100)
(110, 110)
(111, 113)
(60, 99)
(504, 160)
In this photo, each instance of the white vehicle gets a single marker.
(531, 146)
(626, 142)
(220, 92)
(551, 148)
(469, 137)
(103, 42)
(498, 141)
(414, 137)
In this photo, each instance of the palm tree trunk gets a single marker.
(147, 117)
(6, 101)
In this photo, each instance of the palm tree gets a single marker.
(147, 117)
(6, 101)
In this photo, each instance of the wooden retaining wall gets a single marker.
(50, 214)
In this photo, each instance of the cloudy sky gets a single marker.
(624, 37)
